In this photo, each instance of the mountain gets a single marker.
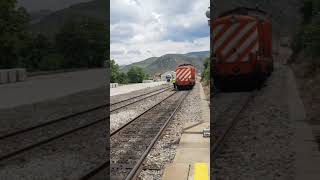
(169, 62)
(50, 24)
(198, 54)
(52, 5)
(37, 16)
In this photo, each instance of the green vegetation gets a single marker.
(134, 75)
(78, 44)
(206, 72)
(308, 37)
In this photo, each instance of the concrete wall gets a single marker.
(147, 81)
(12, 75)
(114, 85)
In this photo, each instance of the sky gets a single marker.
(140, 29)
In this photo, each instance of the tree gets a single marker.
(206, 71)
(122, 78)
(307, 10)
(83, 43)
(34, 51)
(13, 25)
(114, 67)
(136, 75)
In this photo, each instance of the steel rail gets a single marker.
(107, 163)
(219, 142)
(134, 172)
(164, 90)
(126, 124)
(50, 139)
(95, 171)
(75, 115)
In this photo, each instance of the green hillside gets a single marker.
(51, 24)
(169, 62)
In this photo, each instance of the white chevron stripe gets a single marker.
(187, 75)
(180, 72)
(184, 73)
(248, 41)
(253, 50)
(225, 36)
(238, 37)
(252, 37)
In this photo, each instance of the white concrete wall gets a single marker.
(12, 75)
(123, 89)
(114, 85)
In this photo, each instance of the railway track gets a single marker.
(227, 119)
(20, 141)
(131, 143)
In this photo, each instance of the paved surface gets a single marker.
(307, 153)
(41, 88)
(133, 87)
(192, 160)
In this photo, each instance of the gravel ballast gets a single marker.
(124, 115)
(260, 146)
(164, 150)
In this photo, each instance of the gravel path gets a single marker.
(261, 146)
(165, 149)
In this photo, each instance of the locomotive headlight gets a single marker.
(208, 13)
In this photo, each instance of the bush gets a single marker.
(206, 71)
(136, 75)
(51, 62)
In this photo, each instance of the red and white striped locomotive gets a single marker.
(242, 47)
(185, 76)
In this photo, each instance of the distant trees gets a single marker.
(79, 43)
(82, 43)
(13, 24)
(134, 75)
(206, 72)
(308, 38)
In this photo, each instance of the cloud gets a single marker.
(157, 27)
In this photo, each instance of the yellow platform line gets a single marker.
(201, 171)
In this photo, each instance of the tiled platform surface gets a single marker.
(192, 159)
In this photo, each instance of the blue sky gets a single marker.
(144, 28)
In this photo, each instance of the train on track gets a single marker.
(242, 48)
(185, 76)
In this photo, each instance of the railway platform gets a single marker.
(307, 159)
(45, 87)
(123, 89)
(192, 159)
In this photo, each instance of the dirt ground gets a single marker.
(206, 88)
(309, 87)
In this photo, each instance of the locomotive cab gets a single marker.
(185, 76)
(242, 47)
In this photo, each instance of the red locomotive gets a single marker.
(242, 47)
(185, 76)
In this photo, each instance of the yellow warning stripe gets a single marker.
(201, 171)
